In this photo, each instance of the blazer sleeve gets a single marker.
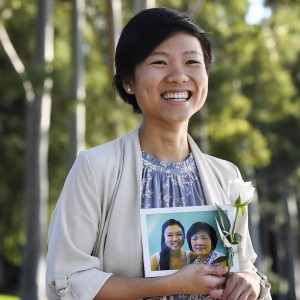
(72, 272)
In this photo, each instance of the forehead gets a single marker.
(173, 228)
(183, 42)
(201, 233)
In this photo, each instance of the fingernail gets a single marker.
(224, 269)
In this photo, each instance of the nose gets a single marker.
(199, 242)
(177, 75)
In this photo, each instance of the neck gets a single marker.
(176, 253)
(204, 258)
(166, 144)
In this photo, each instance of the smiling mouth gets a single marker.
(177, 96)
(200, 249)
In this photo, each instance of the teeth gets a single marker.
(180, 96)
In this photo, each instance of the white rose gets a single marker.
(241, 192)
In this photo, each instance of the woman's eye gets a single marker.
(191, 62)
(159, 62)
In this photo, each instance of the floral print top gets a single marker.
(167, 184)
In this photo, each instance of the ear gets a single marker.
(128, 86)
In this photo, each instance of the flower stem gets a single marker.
(234, 224)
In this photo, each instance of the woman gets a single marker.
(162, 62)
(202, 240)
(171, 256)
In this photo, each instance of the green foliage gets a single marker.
(8, 297)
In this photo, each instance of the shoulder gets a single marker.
(222, 165)
(106, 161)
(155, 255)
(155, 259)
(215, 254)
(109, 152)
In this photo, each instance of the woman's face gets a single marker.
(170, 85)
(174, 237)
(201, 243)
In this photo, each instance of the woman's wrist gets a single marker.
(124, 288)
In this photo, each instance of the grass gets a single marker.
(7, 297)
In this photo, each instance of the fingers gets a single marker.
(215, 270)
(216, 293)
(201, 279)
(239, 287)
(220, 270)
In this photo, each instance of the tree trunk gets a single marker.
(36, 160)
(114, 21)
(77, 129)
(139, 5)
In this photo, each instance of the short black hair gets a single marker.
(205, 227)
(143, 33)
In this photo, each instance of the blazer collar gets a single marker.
(213, 191)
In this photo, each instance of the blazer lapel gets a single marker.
(213, 192)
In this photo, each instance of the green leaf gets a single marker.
(223, 220)
(224, 239)
(220, 259)
(237, 238)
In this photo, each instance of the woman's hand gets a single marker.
(242, 286)
(200, 279)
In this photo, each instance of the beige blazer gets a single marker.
(98, 212)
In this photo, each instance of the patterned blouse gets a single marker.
(167, 184)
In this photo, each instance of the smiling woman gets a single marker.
(95, 245)
(202, 240)
(171, 256)
(170, 85)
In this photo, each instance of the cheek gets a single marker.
(203, 82)
(208, 245)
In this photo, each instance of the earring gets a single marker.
(129, 90)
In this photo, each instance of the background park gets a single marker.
(56, 98)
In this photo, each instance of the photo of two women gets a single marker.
(176, 239)
(202, 241)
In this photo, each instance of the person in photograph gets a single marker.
(95, 248)
(171, 255)
(202, 240)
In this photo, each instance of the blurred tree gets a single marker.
(78, 122)
(272, 82)
(36, 159)
(38, 103)
(12, 110)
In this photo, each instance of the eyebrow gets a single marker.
(202, 234)
(184, 53)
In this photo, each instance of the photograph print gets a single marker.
(177, 236)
